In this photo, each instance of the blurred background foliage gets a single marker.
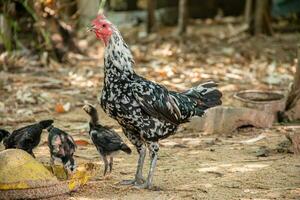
(48, 27)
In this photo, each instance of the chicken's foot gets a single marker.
(153, 150)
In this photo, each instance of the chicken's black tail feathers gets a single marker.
(125, 148)
(206, 94)
(46, 123)
(92, 111)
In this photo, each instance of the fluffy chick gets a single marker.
(62, 147)
(106, 141)
(28, 137)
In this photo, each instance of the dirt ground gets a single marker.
(191, 165)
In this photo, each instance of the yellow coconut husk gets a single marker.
(23, 177)
(19, 170)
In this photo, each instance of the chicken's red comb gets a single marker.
(98, 19)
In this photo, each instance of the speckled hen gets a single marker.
(147, 111)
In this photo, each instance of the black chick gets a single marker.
(3, 134)
(28, 137)
(62, 147)
(106, 141)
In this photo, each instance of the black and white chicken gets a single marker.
(107, 142)
(62, 147)
(147, 111)
(28, 137)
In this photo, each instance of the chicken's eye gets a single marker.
(103, 25)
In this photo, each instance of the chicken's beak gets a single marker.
(85, 108)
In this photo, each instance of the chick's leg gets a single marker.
(111, 161)
(52, 164)
(67, 172)
(67, 166)
(153, 150)
(105, 164)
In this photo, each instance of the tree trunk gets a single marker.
(151, 4)
(6, 36)
(182, 17)
(262, 19)
(5, 33)
(248, 11)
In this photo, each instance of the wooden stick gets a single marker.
(151, 4)
(182, 17)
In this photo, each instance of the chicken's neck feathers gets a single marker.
(118, 60)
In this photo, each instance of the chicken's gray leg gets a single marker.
(139, 171)
(111, 161)
(153, 150)
(141, 149)
(105, 165)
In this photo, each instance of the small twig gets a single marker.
(186, 190)
(45, 85)
(41, 111)
(250, 141)
(253, 140)
(77, 120)
(266, 160)
(101, 7)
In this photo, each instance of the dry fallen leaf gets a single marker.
(81, 142)
(162, 74)
(59, 108)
